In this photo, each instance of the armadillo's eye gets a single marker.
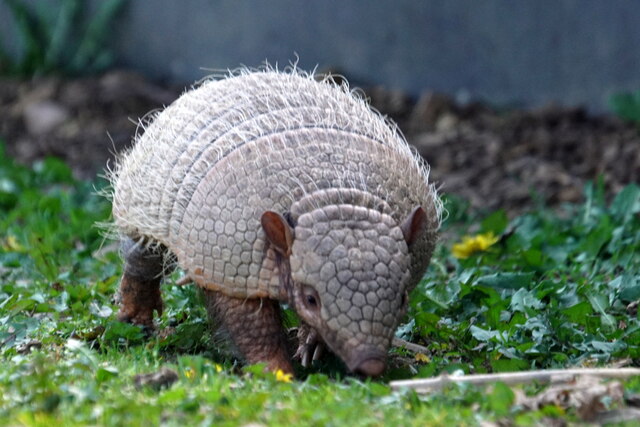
(311, 298)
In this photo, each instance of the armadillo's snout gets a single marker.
(371, 367)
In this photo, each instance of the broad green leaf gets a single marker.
(116, 330)
(631, 293)
(105, 373)
(600, 304)
(626, 203)
(578, 312)
(500, 399)
(483, 334)
(533, 257)
(627, 287)
(496, 222)
(597, 237)
(606, 347)
(506, 280)
(508, 365)
(493, 316)
(523, 300)
(466, 274)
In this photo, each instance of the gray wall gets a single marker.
(507, 52)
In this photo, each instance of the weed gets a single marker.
(551, 292)
(56, 40)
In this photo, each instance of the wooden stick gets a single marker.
(544, 376)
(416, 348)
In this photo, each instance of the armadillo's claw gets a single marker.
(310, 346)
(317, 354)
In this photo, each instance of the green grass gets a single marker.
(552, 292)
(60, 38)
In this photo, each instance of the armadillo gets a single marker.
(271, 187)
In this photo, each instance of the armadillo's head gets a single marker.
(349, 273)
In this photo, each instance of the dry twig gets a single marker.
(398, 342)
(553, 376)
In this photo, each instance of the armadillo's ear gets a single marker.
(413, 225)
(278, 231)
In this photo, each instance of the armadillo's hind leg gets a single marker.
(255, 327)
(140, 286)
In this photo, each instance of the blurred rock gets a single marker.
(428, 110)
(393, 103)
(43, 117)
(447, 123)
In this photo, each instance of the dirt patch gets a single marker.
(511, 159)
(83, 121)
(491, 158)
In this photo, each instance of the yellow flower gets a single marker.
(11, 244)
(472, 244)
(189, 373)
(281, 376)
(422, 358)
(218, 368)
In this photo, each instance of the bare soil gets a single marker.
(494, 158)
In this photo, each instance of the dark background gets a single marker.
(524, 53)
(511, 103)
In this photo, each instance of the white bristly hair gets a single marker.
(246, 114)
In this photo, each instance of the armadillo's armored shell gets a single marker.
(208, 166)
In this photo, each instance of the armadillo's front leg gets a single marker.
(140, 285)
(255, 327)
(310, 345)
